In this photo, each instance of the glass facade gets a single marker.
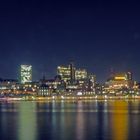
(26, 73)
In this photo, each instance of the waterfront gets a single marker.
(69, 98)
(67, 120)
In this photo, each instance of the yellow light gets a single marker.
(120, 78)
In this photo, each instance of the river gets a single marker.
(70, 120)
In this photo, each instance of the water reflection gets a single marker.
(81, 120)
(134, 120)
(8, 129)
(27, 128)
(120, 120)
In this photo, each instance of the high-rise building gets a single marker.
(26, 73)
(80, 74)
(72, 75)
(92, 79)
(129, 76)
(64, 72)
(67, 73)
(72, 72)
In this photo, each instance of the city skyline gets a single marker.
(25, 73)
(98, 36)
(69, 70)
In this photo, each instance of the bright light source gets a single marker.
(62, 97)
(79, 93)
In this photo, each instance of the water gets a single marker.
(82, 120)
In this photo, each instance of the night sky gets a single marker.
(99, 36)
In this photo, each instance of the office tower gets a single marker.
(25, 73)
(64, 72)
(72, 72)
(92, 79)
(129, 76)
(80, 74)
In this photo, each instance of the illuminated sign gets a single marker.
(26, 73)
(120, 78)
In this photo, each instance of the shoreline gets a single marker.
(66, 98)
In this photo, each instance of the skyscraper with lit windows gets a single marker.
(25, 73)
(64, 72)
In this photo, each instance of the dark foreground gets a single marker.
(70, 120)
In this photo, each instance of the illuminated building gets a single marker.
(67, 73)
(44, 90)
(119, 83)
(8, 86)
(92, 83)
(64, 72)
(75, 79)
(129, 76)
(72, 73)
(81, 78)
(51, 83)
(30, 87)
(26, 73)
(80, 74)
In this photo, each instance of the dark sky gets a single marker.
(97, 35)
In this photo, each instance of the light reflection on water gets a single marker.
(27, 121)
(82, 120)
(120, 122)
